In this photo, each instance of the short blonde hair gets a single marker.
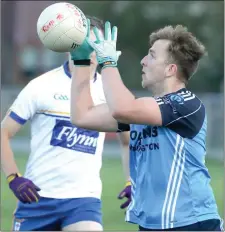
(184, 50)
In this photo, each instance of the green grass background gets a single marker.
(113, 182)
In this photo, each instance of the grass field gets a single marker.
(113, 181)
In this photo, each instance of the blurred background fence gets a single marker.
(214, 103)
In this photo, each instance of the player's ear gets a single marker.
(171, 70)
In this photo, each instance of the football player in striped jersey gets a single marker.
(170, 182)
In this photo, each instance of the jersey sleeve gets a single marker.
(25, 105)
(182, 113)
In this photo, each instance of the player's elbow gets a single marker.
(75, 121)
(74, 117)
(116, 114)
(119, 115)
(5, 133)
(78, 123)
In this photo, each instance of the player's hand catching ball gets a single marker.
(24, 189)
(126, 192)
(105, 48)
(81, 55)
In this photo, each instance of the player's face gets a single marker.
(155, 65)
(94, 61)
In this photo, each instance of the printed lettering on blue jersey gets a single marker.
(68, 136)
(167, 166)
(140, 141)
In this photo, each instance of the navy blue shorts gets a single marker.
(207, 225)
(54, 214)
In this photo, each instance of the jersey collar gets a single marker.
(67, 71)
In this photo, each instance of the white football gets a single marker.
(62, 27)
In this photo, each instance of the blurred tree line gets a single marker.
(136, 20)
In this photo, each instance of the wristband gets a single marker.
(108, 64)
(128, 183)
(82, 62)
(12, 176)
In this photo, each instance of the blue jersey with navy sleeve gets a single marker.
(170, 182)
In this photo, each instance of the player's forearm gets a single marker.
(81, 100)
(117, 95)
(124, 142)
(83, 112)
(125, 160)
(8, 163)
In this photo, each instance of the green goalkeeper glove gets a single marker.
(105, 48)
(81, 55)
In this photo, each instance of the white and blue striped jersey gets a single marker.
(170, 182)
(64, 160)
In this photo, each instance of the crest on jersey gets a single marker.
(59, 96)
(176, 98)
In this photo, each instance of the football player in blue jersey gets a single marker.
(170, 182)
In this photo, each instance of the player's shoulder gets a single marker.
(44, 81)
(183, 112)
(186, 97)
(47, 76)
(183, 99)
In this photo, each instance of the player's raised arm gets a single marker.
(125, 108)
(122, 103)
(83, 112)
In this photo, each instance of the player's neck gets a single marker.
(160, 90)
(70, 66)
